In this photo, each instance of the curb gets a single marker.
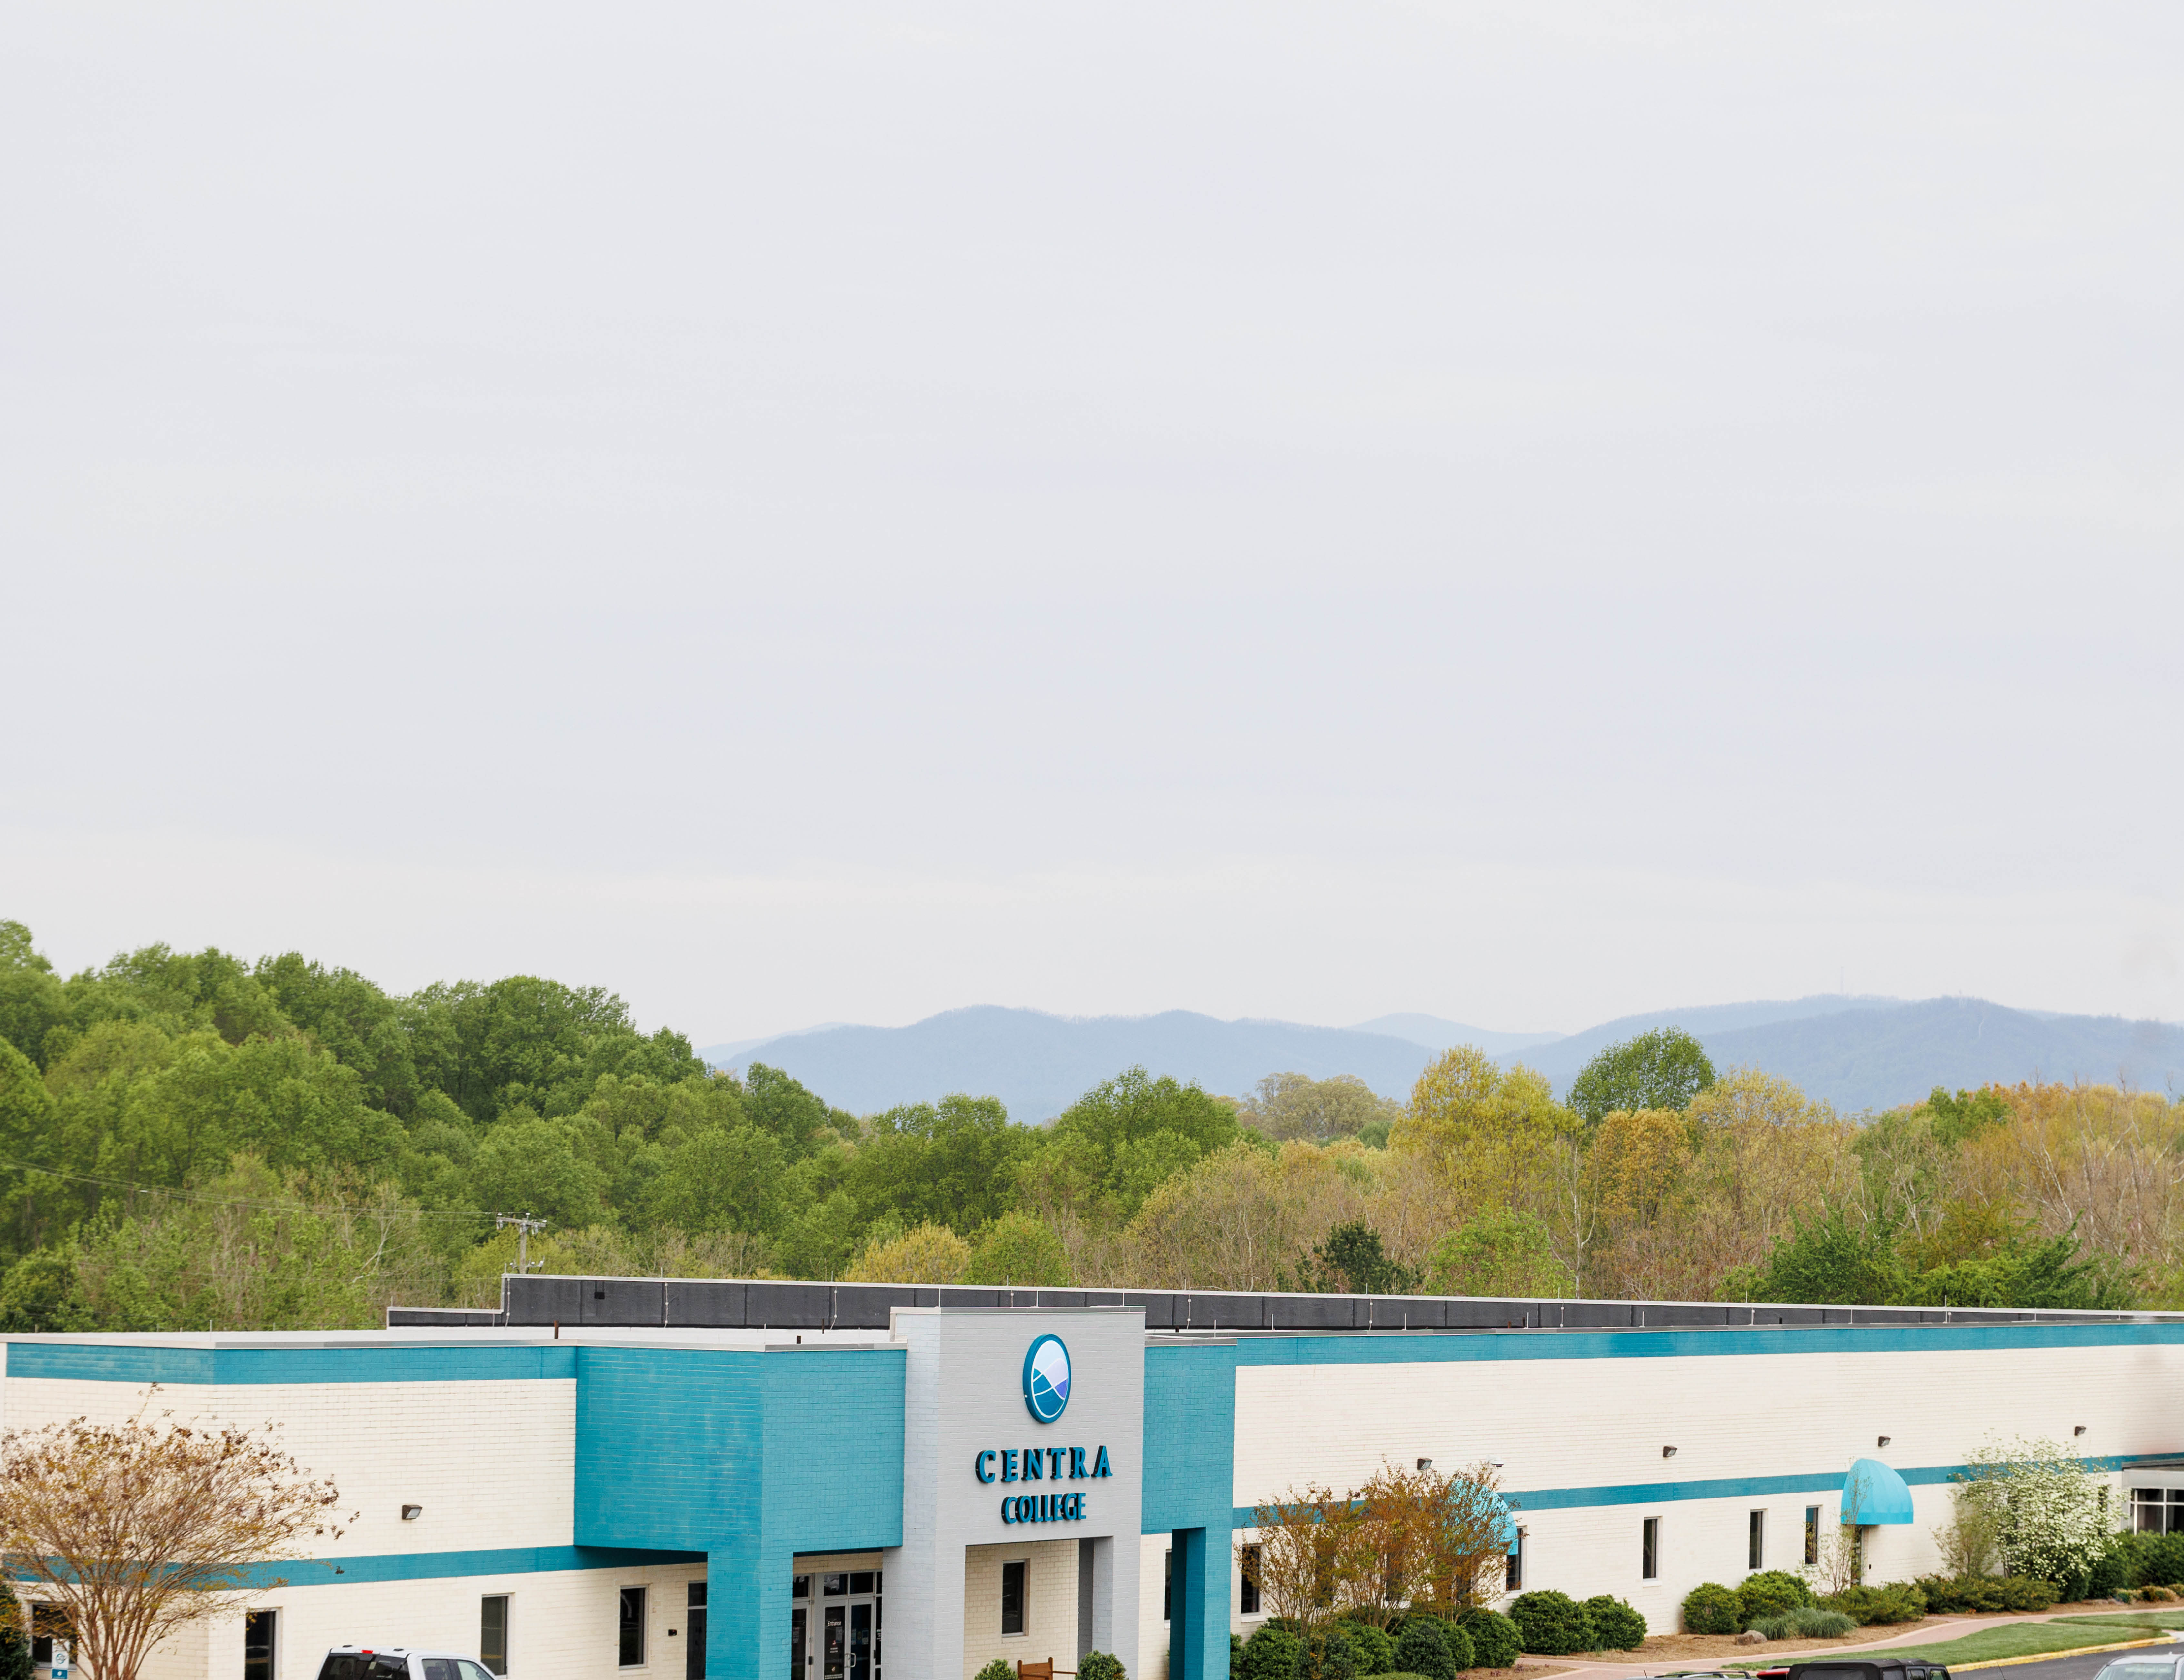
(2052, 1657)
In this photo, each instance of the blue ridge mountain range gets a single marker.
(1860, 1053)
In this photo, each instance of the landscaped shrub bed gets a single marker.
(1952, 1595)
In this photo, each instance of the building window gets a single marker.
(632, 1654)
(49, 1632)
(1167, 1586)
(1249, 1601)
(1755, 1552)
(1649, 1548)
(1012, 1595)
(693, 1655)
(1812, 1536)
(2157, 1510)
(1513, 1575)
(258, 1644)
(493, 1632)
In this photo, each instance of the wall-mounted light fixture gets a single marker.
(2080, 1429)
(1668, 1452)
(1494, 1464)
(411, 1513)
(1880, 1441)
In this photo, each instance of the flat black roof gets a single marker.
(733, 1303)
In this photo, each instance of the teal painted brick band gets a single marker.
(222, 1367)
(437, 1565)
(1395, 1346)
(1725, 1487)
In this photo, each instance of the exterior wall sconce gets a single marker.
(411, 1513)
(1668, 1452)
(1427, 1464)
(1882, 1440)
(2080, 1429)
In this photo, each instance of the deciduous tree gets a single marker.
(137, 1529)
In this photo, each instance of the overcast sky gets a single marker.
(807, 513)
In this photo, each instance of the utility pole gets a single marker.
(524, 1226)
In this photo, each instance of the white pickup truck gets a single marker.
(399, 1662)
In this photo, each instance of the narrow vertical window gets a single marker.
(493, 1632)
(632, 1648)
(693, 1655)
(1249, 1601)
(1649, 1548)
(1167, 1586)
(258, 1644)
(1811, 1535)
(1755, 1554)
(1513, 1576)
(1012, 1595)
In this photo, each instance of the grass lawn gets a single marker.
(2018, 1638)
(2165, 1619)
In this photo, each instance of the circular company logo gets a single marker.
(1046, 1378)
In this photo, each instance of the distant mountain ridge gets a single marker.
(1039, 1064)
(1858, 1053)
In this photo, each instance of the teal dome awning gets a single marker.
(1873, 1494)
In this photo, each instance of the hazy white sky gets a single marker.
(821, 512)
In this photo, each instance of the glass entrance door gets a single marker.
(834, 1626)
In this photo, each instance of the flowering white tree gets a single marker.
(2050, 1512)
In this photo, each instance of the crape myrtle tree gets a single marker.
(1407, 1538)
(136, 1529)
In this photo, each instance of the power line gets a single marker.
(242, 1201)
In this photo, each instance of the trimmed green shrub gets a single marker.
(1270, 1654)
(1235, 1656)
(1615, 1625)
(1330, 1654)
(1099, 1666)
(2107, 1574)
(1421, 1648)
(997, 1670)
(2151, 1560)
(1898, 1601)
(1772, 1591)
(1494, 1641)
(1376, 1651)
(1551, 1623)
(1953, 1595)
(1712, 1608)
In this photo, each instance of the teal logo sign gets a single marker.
(1046, 1378)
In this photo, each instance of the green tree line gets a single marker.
(193, 1139)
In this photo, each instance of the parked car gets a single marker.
(398, 1662)
(1879, 1668)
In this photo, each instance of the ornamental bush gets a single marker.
(1615, 1625)
(1099, 1666)
(1772, 1591)
(1330, 1654)
(1953, 1595)
(1421, 1648)
(1807, 1621)
(2152, 1560)
(1712, 1608)
(1551, 1623)
(1494, 1638)
(1898, 1601)
(1270, 1654)
(997, 1670)
(1376, 1651)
